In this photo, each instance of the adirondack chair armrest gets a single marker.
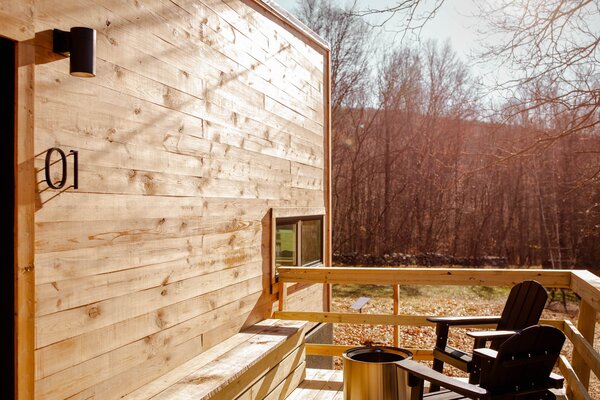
(490, 335)
(423, 373)
(476, 320)
(483, 358)
(485, 353)
(443, 325)
(556, 381)
(482, 337)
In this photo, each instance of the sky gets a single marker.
(454, 22)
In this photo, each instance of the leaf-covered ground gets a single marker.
(455, 301)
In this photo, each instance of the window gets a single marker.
(298, 241)
(297, 238)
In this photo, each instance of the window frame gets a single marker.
(295, 216)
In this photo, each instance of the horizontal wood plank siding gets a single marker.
(204, 115)
(16, 19)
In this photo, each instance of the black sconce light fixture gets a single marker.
(80, 45)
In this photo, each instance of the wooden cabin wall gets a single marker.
(202, 117)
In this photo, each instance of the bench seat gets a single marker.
(265, 361)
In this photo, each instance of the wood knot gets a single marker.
(160, 322)
(137, 110)
(93, 312)
(164, 292)
(148, 183)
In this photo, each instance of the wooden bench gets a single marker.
(360, 303)
(265, 361)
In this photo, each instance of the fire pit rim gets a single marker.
(371, 349)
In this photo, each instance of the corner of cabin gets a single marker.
(159, 184)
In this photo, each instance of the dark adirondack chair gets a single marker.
(520, 369)
(523, 308)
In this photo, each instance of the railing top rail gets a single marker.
(587, 286)
(427, 276)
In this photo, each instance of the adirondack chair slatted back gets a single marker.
(524, 361)
(523, 308)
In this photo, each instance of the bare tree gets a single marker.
(549, 44)
(349, 37)
(416, 170)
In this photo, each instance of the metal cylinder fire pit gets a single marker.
(371, 373)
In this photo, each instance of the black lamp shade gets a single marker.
(80, 45)
(83, 52)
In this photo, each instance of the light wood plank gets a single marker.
(223, 371)
(396, 311)
(170, 378)
(429, 276)
(263, 377)
(575, 389)
(185, 252)
(16, 20)
(70, 235)
(331, 389)
(59, 326)
(147, 357)
(64, 295)
(260, 50)
(178, 99)
(72, 351)
(285, 388)
(278, 375)
(118, 386)
(586, 325)
(310, 389)
(24, 251)
(587, 286)
(583, 347)
(353, 318)
(376, 319)
(282, 296)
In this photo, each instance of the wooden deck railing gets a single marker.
(583, 283)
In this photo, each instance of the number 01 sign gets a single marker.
(63, 162)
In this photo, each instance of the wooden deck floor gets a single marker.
(319, 384)
(327, 384)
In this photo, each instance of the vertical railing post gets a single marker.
(282, 296)
(396, 338)
(586, 324)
